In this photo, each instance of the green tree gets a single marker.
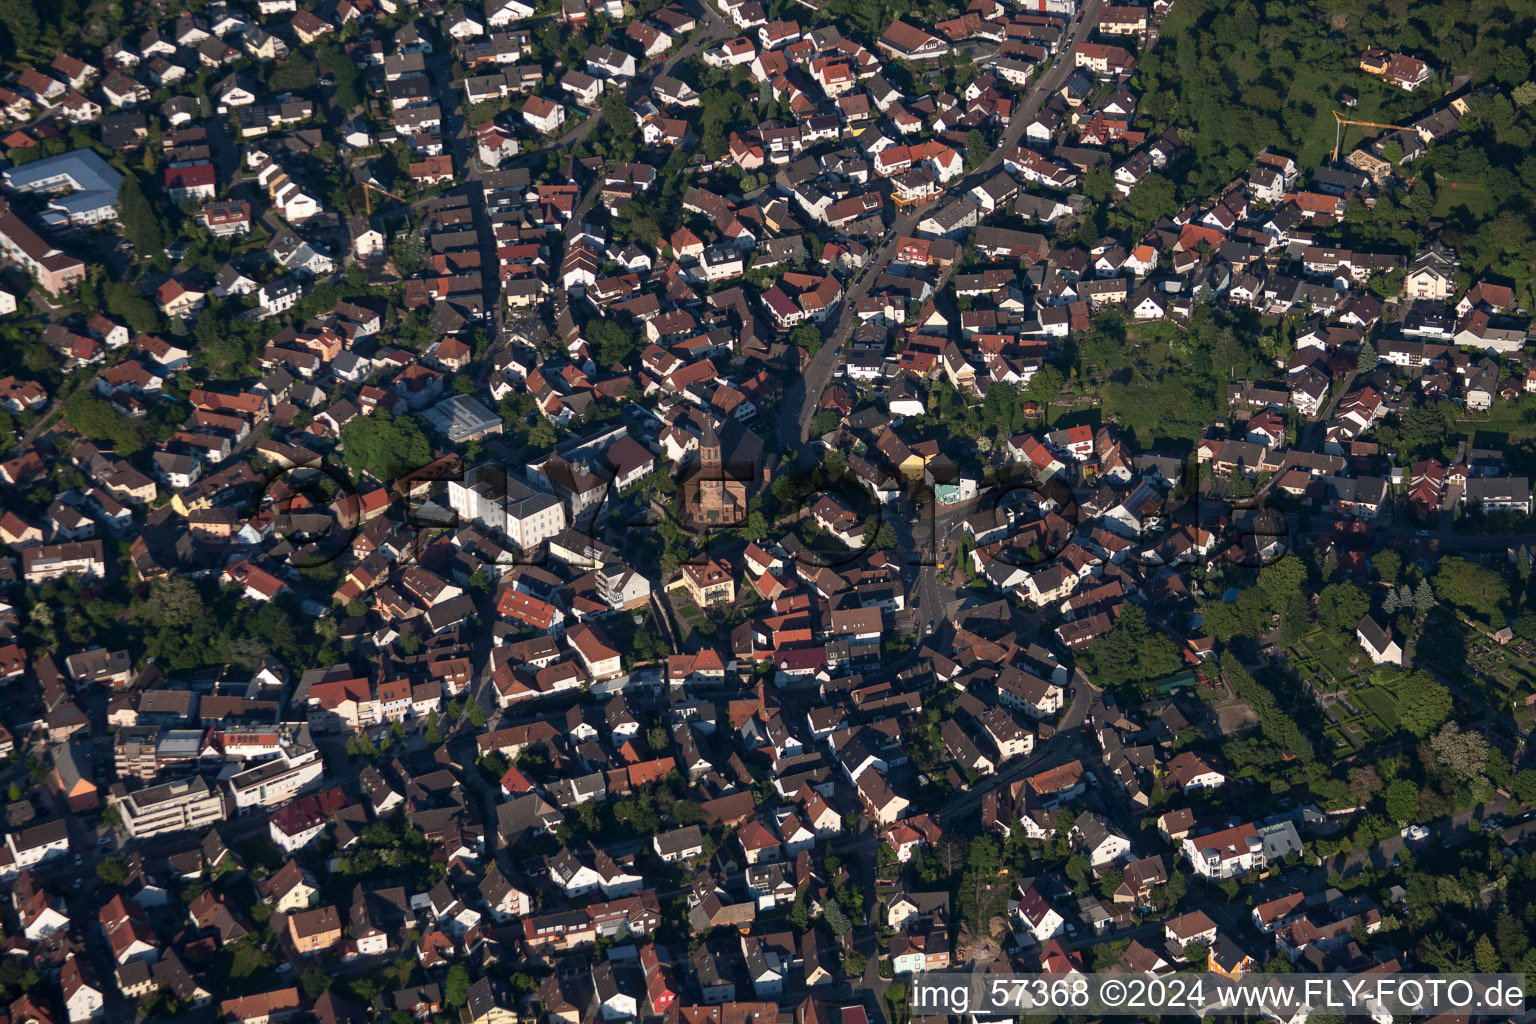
(1423, 597)
(456, 986)
(799, 913)
(1281, 580)
(1133, 651)
(1470, 586)
(173, 602)
(835, 918)
(1367, 359)
(124, 302)
(113, 871)
(386, 446)
(1402, 801)
(97, 420)
(295, 74)
(542, 434)
(878, 535)
(1484, 956)
(806, 336)
(1099, 185)
(975, 150)
(1523, 786)
(1045, 384)
(615, 345)
(1422, 704)
(1509, 937)
(1340, 606)
(344, 72)
(983, 890)
(140, 220)
(21, 24)
(314, 982)
(1149, 200)
(1076, 869)
(1463, 754)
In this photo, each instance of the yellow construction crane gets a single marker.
(1340, 121)
(368, 189)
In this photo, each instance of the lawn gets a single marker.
(1378, 102)
(1341, 745)
(1472, 195)
(1380, 703)
(1505, 423)
(1327, 659)
(1366, 713)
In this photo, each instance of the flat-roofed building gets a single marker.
(274, 782)
(182, 805)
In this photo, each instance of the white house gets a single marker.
(501, 13)
(1195, 926)
(82, 1000)
(572, 876)
(680, 844)
(1226, 854)
(33, 846)
(296, 825)
(42, 917)
(1096, 838)
(505, 900)
(542, 115)
(1187, 771)
(1378, 643)
(1037, 917)
(462, 25)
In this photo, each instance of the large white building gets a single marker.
(32, 846)
(183, 805)
(1035, 916)
(82, 184)
(277, 781)
(489, 497)
(1226, 854)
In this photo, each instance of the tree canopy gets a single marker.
(140, 220)
(1422, 703)
(1133, 651)
(385, 445)
(1471, 587)
(615, 345)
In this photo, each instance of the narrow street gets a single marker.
(807, 390)
(1066, 745)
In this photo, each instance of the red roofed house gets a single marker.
(1225, 854)
(911, 43)
(594, 651)
(527, 609)
(194, 181)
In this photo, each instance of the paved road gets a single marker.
(807, 391)
(804, 394)
(1066, 745)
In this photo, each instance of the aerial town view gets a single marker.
(728, 511)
